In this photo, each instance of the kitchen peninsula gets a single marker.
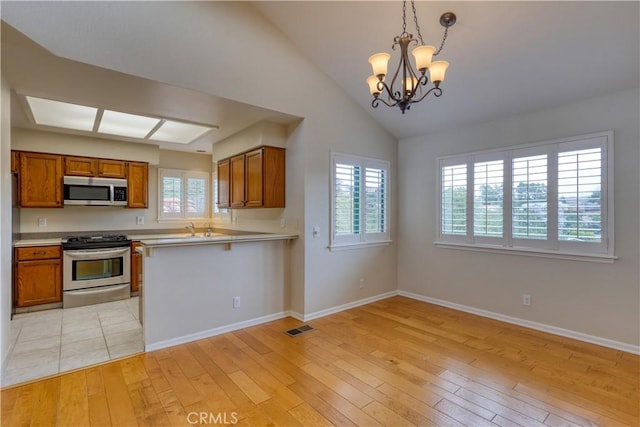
(199, 286)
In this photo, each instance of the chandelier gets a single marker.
(409, 86)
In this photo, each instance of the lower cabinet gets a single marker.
(136, 268)
(38, 275)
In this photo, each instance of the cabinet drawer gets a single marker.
(38, 252)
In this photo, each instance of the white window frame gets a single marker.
(362, 239)
(602, 251)
(184, 176)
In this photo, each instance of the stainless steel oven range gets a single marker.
(95, 269)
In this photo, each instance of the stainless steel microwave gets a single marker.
(80, 190)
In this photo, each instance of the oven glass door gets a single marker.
(96, 267)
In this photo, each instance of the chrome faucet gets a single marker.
(209, 231)
(191, 228)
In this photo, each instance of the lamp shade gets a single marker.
(409, 85)
(379, 63)
(423, 55)
(437, 70)
(372, 81)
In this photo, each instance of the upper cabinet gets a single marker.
(89, 166)
(112, 168)
(40, 177)
(14, 161)
(137, 185)
(237, 164)
(80, 166)
(254, 179)
(224, 183)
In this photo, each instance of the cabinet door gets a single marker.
(14, 161)
(137, 185)
(237, 181)
(223, 183)
(112, 169)
(136, 267)
(40, 180)
(38, 282)
(253, 173)
(273, 177)
(80, 166)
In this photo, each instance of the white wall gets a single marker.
(253, 271)
(5, 220)
(601, 300)
(196, 54)
(103, 218)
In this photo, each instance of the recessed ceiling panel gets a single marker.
(124, 124)
(179, 132)
(61, 114)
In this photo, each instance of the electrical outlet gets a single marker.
(361, 282)
(283, 223)
(42, 222)
(236, 302)
(526, 299)
(139, 220)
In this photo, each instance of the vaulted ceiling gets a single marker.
(507, 58)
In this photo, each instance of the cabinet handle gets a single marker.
(40, 253)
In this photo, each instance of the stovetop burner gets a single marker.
(96, 241)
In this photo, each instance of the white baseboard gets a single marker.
(215, 331)
(605, 342)
(259, 320)
(343, 307)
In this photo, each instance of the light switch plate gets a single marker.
(42, 222)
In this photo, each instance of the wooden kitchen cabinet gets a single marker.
(137, 185)
(257, 179)
(94, 167)
(40, 180)
(136, 267)
(80, 166)
(112, 168)
(237, 181)
(14, 161)
(224, 182)
(38, 275)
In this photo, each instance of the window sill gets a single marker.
(362, 245)
(538, 253)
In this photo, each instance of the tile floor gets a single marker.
(53, 341)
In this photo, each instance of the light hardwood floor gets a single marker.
(395, 362)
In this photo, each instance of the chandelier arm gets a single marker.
(437, 92)
(382, 87)
(375, 102)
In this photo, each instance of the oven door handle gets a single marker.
(86, 254)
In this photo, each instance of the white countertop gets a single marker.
(36, 242)
(173, 239)
(216, 238)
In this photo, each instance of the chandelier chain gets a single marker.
(415, 20)
(444, 38)
(404, 17)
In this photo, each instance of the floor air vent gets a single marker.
(297, 331)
